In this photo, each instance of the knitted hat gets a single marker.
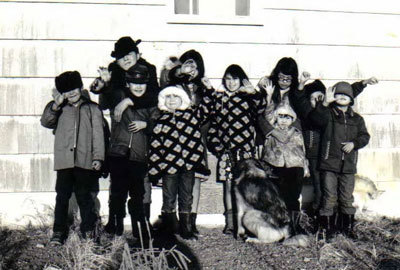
(173, 90)
(138, 74)
(285, 108)
(345, 89)
(124, 46)
(313, 87)
(68, 81)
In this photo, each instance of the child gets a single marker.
(112, 79)
(111, 86)
(279, 88)
(284, 151)
(307, 100)
(343, 132)
(78, 152)
(187, 72)
(128, 156)
(176, 153)
(232, 129)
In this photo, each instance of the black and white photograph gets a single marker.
(199, 134)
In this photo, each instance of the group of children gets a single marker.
(163, 134)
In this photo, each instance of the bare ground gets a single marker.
(377, 246)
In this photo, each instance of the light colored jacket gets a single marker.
(79, 136)
(285, 149)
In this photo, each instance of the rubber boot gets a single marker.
(325, 230)
(110, 226)
(295, 223)
(119, 229)
(146, 210)
(193, 217)
(229, 228)
(348, 226)
(168, 224)
(185, 227)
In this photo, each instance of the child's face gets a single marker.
(284, 81)
(316, 96)
(73, 96)
(284, 121)
(233, 84)
(190, 67)
(137, 89)
(173, 102)
(342, 100)
(128, 60)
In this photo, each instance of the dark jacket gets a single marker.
(110, 94)
(338, 127)
(311, 133)
(134, 146)
(79, 136)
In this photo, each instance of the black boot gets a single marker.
(229, 228)
(295, 223)
(193, 217)
(185, 227)
(119, 229)
(325, 230)
(348, 225)
(110, 226)
(167, 224)
(146, 209)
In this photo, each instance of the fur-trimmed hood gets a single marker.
(283, 108)
(173, 90)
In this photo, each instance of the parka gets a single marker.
(79, 136)
(338, 127)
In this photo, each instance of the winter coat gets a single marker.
(176, 143)
(285, 149)
(233, 122)
(110, 94)
(311, 133)
(79, 136)
(338, 127)
(133, 146)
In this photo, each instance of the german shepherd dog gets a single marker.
(260, 209)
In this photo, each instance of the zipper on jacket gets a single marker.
(327, 150)
(311, 138)
(130, 140)
(345, 130)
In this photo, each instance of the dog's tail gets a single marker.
(299, 240)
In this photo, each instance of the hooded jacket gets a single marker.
(176, 144)
(338, 127)
(79, 136)
(194, 88)
(311, 133)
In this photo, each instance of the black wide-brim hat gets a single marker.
(68, 81)
(138, 74)
(124, 46)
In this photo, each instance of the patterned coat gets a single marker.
(176, 144)
(233, 122)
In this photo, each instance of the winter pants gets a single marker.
(290, 183)
(83, 183)
(316, 181)
(127, 177)
(181, 185)
(337, 188)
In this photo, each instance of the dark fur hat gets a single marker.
(138, 74)
(315, 86)
(124, 46)
(68, 81)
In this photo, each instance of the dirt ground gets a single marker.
(377, 246)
